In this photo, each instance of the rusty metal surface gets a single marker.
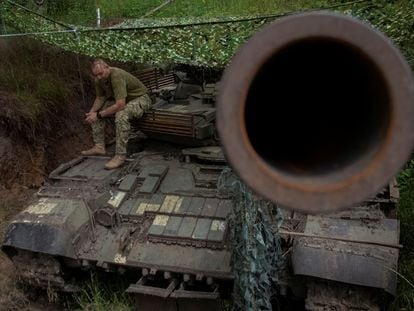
(380, 231)
(316, 111)
(348, 262)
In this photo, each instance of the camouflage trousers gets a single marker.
(133, 109)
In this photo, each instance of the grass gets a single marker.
(405, 295)
(217, 8)
(84, 12)
(41, 82)
(12, 297)
(102, 293)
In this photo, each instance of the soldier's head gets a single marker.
(100, 69)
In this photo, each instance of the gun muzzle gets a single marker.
(316, 111)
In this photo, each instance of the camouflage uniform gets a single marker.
(120, 85)
(133, 109)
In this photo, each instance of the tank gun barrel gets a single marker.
(316, 111)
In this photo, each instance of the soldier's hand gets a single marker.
(91, 117)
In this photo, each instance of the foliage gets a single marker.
(257, 254)
(394, 18)
(39, 83)
(83, 12)
(12, 296)
(98, 294)
(406, 210)
(405, 295)
(216, 8)
(201, 41)
(209, 42)
(406, 177)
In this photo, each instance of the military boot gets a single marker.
(115, 162)
(98, 149)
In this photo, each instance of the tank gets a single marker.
(163, 217)
(160, 216)
(345, 260)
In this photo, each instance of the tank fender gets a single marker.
(49, 225)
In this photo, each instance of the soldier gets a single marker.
(117, 93)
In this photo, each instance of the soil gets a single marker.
(31, 74)
(24, 167)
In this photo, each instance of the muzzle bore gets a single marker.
(316, 111)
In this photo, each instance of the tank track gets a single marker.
(39, 270)
(334, 296)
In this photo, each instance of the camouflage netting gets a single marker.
(200, 42)
(257, 255)
(195, 42)
(394, 19)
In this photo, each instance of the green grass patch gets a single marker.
(12, 296)
(84, 12)
(103, 292)
(40, 82)
(217, 8)
(406, 207)
(405, 293)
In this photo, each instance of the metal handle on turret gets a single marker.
(316, 111)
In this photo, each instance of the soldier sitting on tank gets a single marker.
(119, 94)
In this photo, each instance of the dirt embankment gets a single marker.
(44, 94)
